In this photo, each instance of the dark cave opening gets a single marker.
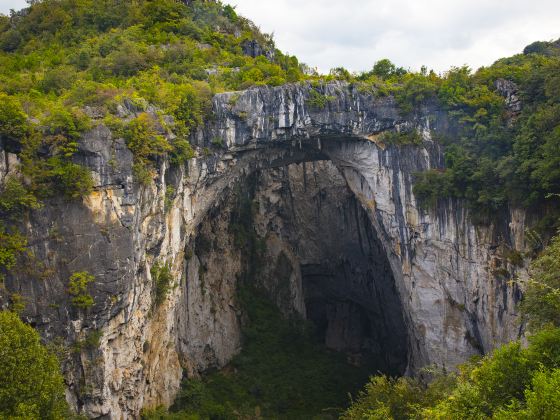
(348, 287)
(353, 304)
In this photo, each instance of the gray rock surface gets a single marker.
(451, 276)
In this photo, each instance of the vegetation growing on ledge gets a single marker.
(402, 137)
(318, 100)
(499, 158)
(78, 289)
(173, 55)
(162, 282)
(495, 157)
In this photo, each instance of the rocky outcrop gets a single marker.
(451, 276)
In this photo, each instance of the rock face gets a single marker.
(441, 280)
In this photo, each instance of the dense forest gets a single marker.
(62, 62)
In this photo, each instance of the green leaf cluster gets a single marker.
(78, 289)
(162, 279)
(504, 385)
(541, 301)
(31, 385)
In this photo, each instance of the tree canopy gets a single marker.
(31, 385)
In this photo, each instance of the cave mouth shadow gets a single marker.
(346, 284)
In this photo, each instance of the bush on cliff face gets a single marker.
(78, 289)
(13, 120)
(31, 385)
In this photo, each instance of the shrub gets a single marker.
(169, 196)
(15, 197)
(162, 281)
(145, 143)
(127, 61)
(317, 100)
(78, 289)
(417, 90)
(143, 139)
(71, 179)
(90, 342)
(543, 398)
(189, 110)
(182, 151)
(408, 136)
(385, 69)
(11, 245)
(10, 40)
(384, 398)
(58, 79)
(31, 385)
(68, 123)
(13, 121)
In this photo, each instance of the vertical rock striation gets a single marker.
(450, 275)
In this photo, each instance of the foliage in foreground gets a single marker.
(282, 372)
(514, 382)
(31, 385)
(508, 384)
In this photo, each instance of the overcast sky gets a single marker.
(436, 33)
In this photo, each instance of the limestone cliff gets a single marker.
(446, 278)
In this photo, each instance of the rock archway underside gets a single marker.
(441, 264)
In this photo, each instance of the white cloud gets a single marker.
(436, 33)
(6, 5)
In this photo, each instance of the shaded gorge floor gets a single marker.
(283, 372)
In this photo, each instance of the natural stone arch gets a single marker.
(442, 263)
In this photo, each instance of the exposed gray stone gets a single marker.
(448, 272)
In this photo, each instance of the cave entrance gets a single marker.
(291, 302)
(325, 261)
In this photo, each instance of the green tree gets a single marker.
(15, 197)
(13, 121)
(385, 69)
(143, 139)
(541, 301)
(543, 398)
(78, 289)
(11, 245)
(31, 385)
